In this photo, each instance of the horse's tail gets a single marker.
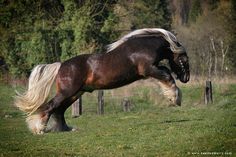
(40, 82)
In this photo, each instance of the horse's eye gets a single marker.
(178, 44)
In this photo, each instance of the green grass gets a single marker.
(148, 130)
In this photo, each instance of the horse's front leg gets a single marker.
(167, 83)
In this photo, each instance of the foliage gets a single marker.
(36, 32)
(45, 28)
(151, 13)
(232, 30)
(195, 10)
(143, 14)
(23, 39)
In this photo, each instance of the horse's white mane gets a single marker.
(149, 32)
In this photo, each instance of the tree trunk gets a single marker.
(223, 53)
(215, 55)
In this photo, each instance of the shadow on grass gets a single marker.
(180, 121)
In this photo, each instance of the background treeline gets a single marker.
(208, 30)
(44, 31)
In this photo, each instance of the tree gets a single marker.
(23, 39)
(36, 32)
(232, 29)
(86, 26)
(152, 13)
(195, 10)
(208, 39)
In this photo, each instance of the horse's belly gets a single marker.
(115, 82)
(108, 81)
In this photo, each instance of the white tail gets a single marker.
(40, 82)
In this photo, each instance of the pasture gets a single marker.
(150, 129)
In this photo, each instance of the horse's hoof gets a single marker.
(35, 124)
(74, 129)
(41, 132)
(178, 97)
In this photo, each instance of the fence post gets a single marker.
(100, 102)
(126, 104)
(77, 108)
(208, 93)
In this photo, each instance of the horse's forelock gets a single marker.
(149, 31)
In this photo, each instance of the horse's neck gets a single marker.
(147, 45)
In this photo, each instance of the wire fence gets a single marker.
(144, 91)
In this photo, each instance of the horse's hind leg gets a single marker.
(57, 120)
(37, 122)
(167, 83)
(57, 123)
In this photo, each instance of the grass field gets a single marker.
(150, 129)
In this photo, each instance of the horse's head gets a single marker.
(179, 63)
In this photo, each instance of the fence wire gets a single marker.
(145, 91)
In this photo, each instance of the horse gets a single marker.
(133, 57)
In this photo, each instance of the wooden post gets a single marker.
(100, 102)
(126, 104)
(77, 108)
(208, 93)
